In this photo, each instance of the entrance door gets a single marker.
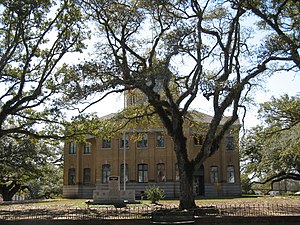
(199, 181)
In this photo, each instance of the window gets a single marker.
(229, 143)
(143, 173)
(86, 176)
(126, 141)
(105, 173)
(143, 142)
(106, 143)
(161, 172)
(176, 172)
(214, 174)
(87, 149)
(230, 174)
(71, 176)
(198, 139)
(72, 148)
(131, 98)
(122, 173)
(160, 140)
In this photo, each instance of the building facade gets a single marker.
(150, 160)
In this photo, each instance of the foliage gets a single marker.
(270, 151)
(245, 181)
(172, 52)
(155, 194)
(25, 164)
(281, 19)
(34, 38)
(49, 185)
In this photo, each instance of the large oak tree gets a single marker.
(174, 51)
(34, 38)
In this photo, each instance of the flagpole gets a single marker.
(124, 150)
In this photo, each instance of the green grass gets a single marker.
(80, 203)
(52, 203)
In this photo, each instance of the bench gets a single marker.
(172, 217)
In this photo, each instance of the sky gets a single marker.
(276, 85)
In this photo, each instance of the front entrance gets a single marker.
(199, 187)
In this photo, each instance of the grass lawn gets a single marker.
(77, 208)
(64, 204)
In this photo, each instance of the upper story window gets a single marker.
(214, 174)
(143, 142)
(230, 174)
(160, 140)
(106, 142)
(87, 149)
(126, 141)
(198, 139)
(131, 97)
(72, 148)
(229, 143)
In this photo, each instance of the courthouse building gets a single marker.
(150, 160)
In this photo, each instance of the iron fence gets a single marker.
(249, 210)
(145, 212)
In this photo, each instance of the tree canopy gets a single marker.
(270, 152)
(281, 18)
(27, 164)
(34, 37)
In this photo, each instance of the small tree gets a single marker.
(155, 194)
(24, 162)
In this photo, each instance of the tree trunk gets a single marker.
(6, 196)
(186, 198)
(186, 171)
(185, 166)
(8, 191)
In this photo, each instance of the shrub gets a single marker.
(155, 193)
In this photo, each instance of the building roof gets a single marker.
(192, 114)
(205, 118)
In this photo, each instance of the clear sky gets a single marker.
(277, 85)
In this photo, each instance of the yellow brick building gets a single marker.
(149, 161)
